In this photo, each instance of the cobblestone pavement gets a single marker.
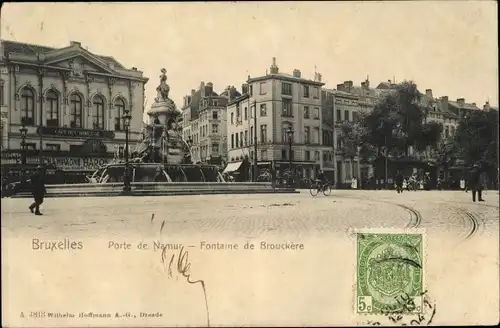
(461, 250)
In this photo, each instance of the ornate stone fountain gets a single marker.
(162, 149)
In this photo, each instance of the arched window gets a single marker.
(52, 110)
(98, 113)
(120, 110)
(76, 111)
(28, 106)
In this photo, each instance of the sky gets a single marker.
(447, 46)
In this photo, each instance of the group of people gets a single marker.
(412, 183)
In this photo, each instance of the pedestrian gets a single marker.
(399, 182)
(474, 183)
(38, 190)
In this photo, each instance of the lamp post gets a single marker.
(289, 132)
(23, 132)
(126, 178)
(385, 162)
(255, 169)
(190, 146)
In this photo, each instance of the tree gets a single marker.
(476, 138)
(398, 121)
(447, 152)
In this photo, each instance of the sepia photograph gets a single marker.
(249, 164)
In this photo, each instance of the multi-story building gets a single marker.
(71, 101)
(339, 107)
(274, 105)
(204, 123)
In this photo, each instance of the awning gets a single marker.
(231, 167)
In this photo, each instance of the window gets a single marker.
(339, 143)
(283, 153)
(52, 147)
(306, 112)
(262, 90)
(308, 155)
(346, 115)
(215, 102)
(325, 156)
(28, 106)
(286, 89)
(251, 90)
(285, 136)
(263, 133)
(52, 113)
(246, 113)
(215, 148)
(30, 146)
(287, 108)
(241, 139)
(214, 115)
(307, 137)
(246, 138)
(232, 118)
(316, 136)
(316, 113)
(315, 92)
(263, 154)
(263, 110)
(238, 113)
(237, 140)
(98, 113)
(447, 131)
(306, 91)
(232, 140)
(339, 118)
(215, 128)
(251, 135)
(120, 110)
(316, 155)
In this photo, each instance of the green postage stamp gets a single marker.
(389, 272)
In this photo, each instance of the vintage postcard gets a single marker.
(249, 164)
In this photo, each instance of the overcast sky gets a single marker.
(447, 46)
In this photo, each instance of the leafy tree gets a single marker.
(351, 140)
(398, 121)
(477, 138)
(447, 153)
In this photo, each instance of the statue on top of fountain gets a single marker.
(163, 89)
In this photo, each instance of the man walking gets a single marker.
(38, 190)
(474, 183)
(399, 182)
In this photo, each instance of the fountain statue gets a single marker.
(161, 148)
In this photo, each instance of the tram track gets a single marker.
(415, 216)
(473, 219)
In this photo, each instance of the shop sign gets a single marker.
(61, 163)
(78, 133)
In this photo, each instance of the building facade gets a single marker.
(271, 105)
(204, 123)
(71, 102)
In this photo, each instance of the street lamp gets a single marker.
(126, 178)
(23, 132)
(289, 132)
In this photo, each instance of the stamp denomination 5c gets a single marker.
(389, 272)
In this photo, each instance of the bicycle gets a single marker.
(318, 186)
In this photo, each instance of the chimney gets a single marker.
(363, 85)
(202, 89)
(244, 88)
(428, 93)
(389, 81)
(193, 91)
(474, 104)
(209, 89)
(348, 85)
(274, 69)
(444, 103)
(461, 101)
(296, 73)
(486, 106)
(319, 77)
(75, 44)
(367, 82)
(340, 87)
(134, 68)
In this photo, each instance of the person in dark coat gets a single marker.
(474, 183)
(399, 182)
(38, 190)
